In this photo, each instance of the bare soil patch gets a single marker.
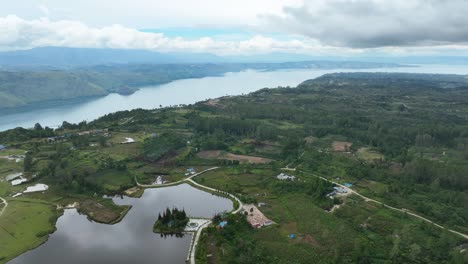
(247, 159)
(98, 212)
(209, 154)
(309, 240)
(255, 217)
(217, 154)
(341, 146)
(214, 103)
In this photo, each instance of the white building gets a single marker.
(283, 176)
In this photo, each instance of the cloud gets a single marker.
(376, 23)
(44, 9)
(17, 33)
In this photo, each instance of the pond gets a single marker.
(79, 240)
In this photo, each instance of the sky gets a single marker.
(241, 27)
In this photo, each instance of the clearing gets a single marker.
(217, 154)
(369, 155)
(341, 146)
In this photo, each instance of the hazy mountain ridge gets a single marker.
(25, 86)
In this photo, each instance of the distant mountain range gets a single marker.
(20, 86)
(58, 57)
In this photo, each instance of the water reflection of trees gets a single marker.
(178, 235)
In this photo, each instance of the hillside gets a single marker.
(398, 140)
(20, 87)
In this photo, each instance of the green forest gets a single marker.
(398, 139)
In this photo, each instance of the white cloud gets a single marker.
(377, 23)
(150, 13)
(17, 33)
(44, 9)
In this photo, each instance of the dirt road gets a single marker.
(367, 199)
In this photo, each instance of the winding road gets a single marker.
(173, 183)
(193, 249)
(367, 199)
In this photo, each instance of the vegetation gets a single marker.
(20, 87)
(171, 222)
(25, 225)
(398, 138)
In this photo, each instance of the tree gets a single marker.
(38, 127)
(27, 162)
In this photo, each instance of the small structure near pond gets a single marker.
(18, 181)
(128, 141)
(195, 223)
(159, 180)
(284, 176)
(40, 187)
(13, 176)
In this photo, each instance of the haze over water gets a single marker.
(186, 91)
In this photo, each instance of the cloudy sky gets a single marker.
(232, 27)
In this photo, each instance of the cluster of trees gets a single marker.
(21, 134)
(316, 188)
(230, 126)
(171, 221)
(236, 240)
(155, 148)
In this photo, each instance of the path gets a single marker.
(4, 207)
(193, 248)
(223, 192)
(367, 199)
(172, 183)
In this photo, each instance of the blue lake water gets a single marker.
(185, 91)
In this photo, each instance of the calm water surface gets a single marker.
(78, 240)
(186, 91)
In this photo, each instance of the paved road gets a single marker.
(193, 250)
(4, 207)
(367, 199)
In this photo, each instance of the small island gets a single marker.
(171, 222)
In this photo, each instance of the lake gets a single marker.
(185, 91)
(79, 240)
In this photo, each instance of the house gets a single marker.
(37, 188)
(191, 171)
(223, 224)
(2, 147)
(128, 141)
(347, 184)
(283, 176)
(340, 189)
(18, 181)
(261, 204)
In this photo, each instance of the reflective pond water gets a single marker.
(78, 240)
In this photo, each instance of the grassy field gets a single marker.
(369, 155)
(24, 226)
